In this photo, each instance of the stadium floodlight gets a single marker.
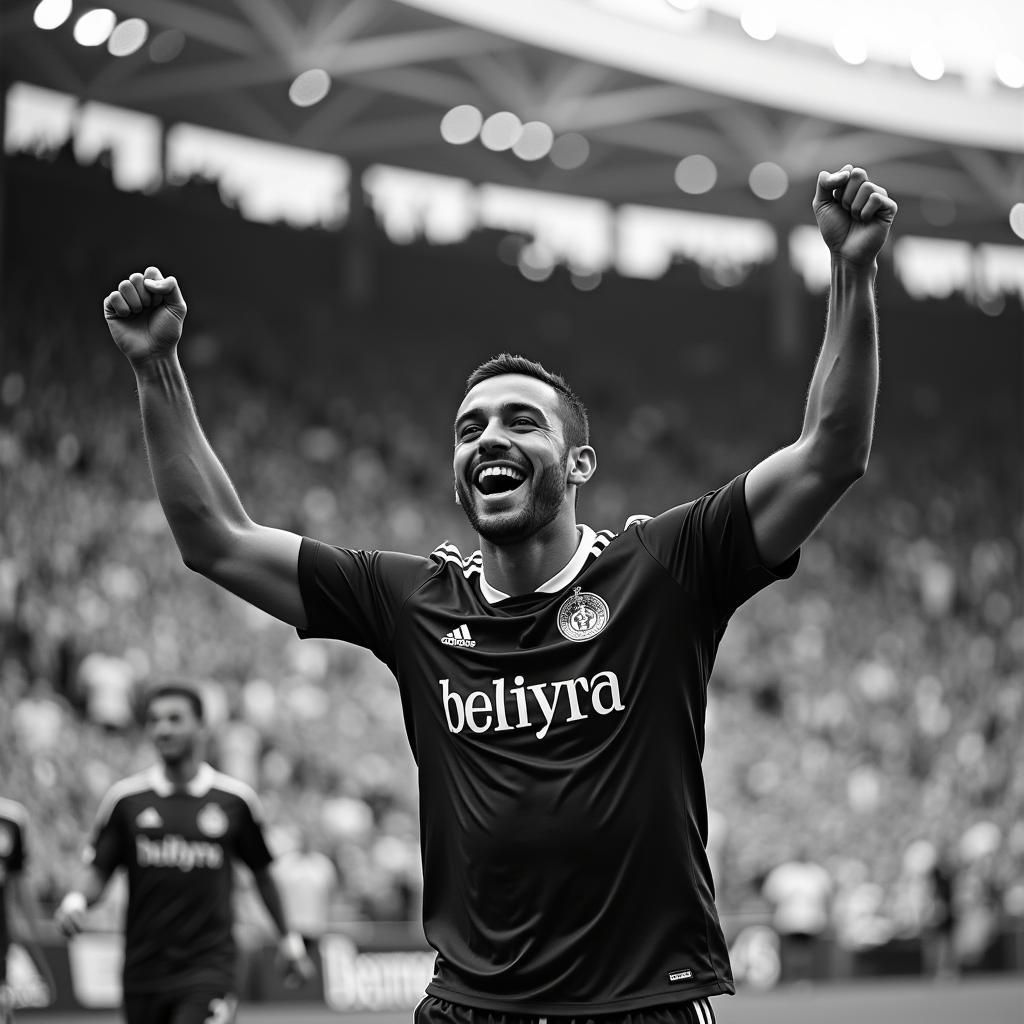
(696, 174)
(310, 87)
(1017, 219)
(927, 62)
(461, 124)
(94, 27)
(768, 181)
(759, 22)
(129, 36)
(570, 151)
(501, 131)
(1010, 70)
(51, 14)
(535, 142)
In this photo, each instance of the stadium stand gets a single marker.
(873, 701)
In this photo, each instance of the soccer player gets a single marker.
(554, 681)
(176, 829)
(15, 888)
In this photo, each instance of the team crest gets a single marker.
(212, 821)
(582, 616)
(6, 841)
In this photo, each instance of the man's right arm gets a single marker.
(70, 914)
(211, 528)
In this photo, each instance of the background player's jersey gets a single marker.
(177, 847)
(13, 819)
(559, 738)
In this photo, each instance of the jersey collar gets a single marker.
(559, 581)
(199, 785)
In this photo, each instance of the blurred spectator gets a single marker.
(307, 880)
(940, 959)
(799, 892)
(108, 686)
(979, 893)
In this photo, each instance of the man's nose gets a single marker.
(492, 436)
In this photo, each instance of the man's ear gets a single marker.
(582, 464)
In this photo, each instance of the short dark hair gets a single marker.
(576, 425)
(175, 688)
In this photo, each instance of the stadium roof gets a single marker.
(644, 82)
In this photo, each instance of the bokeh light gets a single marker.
(94, 27)
(501, 131)
(166, 46)
(50, 14)
(1010, 70)
(1017, 219)
(851, 46)
(310, 87)
(768, 181)
(461, 124)
(570, 151)
(938, 209)
(535, 141)
(696, 174)
(758, 21)
(585, 281)
(129, 37)
(536, 262)
(927, 62)
(509, 249)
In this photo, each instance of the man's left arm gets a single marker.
(790, 492)
(292, 949)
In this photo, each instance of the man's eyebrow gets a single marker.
(507, 409)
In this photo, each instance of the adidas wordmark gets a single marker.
(459, 637)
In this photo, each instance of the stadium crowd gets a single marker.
(870, 711)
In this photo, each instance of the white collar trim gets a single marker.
(559, 581)
(199, 785)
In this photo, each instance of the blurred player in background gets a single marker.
(176, 829)
(15, 888)
(553, 682)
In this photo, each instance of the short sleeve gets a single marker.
(356, 595)
(708, 546)
(250, 842)
(106, 850)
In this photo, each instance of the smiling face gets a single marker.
(513, 469)
(173, 727)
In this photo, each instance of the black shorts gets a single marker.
(432, 1010)
(196, 1006)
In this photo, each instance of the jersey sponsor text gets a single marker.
(177, 852)
(535, 705)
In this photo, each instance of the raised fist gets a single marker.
(854, 215)
(145, 315)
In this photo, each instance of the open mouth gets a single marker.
(498, 479)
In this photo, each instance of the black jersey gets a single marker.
(177, 846)
(13, 820)
(558, 737)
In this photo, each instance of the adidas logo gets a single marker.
(458, 638)
(149, 818)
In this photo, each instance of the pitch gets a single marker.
(984, 1000)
